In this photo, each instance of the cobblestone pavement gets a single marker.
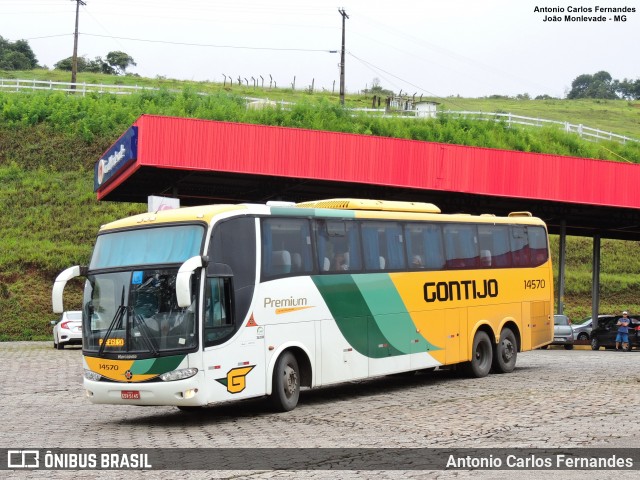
(554, 399)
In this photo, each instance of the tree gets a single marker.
(376, 89)
(120, 61)
(16, 55)
(22, 46)
(66, 64)
(598, 85)
(628, 89)
(97, 65)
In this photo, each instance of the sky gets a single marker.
(436, 48)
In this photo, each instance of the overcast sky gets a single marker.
(471, 48)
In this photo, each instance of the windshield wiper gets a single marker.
(145, 334)
(116, 317)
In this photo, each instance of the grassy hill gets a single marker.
(50, 141)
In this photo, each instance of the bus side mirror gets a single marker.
(183, 279)
(60, 283)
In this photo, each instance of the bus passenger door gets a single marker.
(454, 318)
(233, 360)
(541, 324)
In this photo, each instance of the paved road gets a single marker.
(555, 398)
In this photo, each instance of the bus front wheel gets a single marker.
(286, 383)
(506, 352)
(481, 357)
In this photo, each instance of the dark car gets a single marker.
(604, 334)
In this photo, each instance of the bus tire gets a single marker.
(505, 353)
(286, 383)
(481, 357)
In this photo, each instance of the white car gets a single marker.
(67, 330)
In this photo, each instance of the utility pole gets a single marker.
(344, 17)
(74, 60)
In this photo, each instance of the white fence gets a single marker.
(588, 133)
(16, 85)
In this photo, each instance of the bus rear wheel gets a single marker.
(286, 383)
(506, 352)
(481, 357)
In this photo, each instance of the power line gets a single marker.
(210, 45)
(49, 36)
(372, 66)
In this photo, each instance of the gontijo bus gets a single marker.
(209, 304)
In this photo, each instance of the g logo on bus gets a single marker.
(236, 379)
(128, 375)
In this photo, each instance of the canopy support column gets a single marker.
(561, 267)
(595, 281)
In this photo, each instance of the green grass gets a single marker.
(617, 116)
(49, 143)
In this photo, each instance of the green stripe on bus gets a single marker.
(390, 313)
(353, 316)
(158, 366)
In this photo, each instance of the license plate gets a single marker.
(558, 339)
(130, 395)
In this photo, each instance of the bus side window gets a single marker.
(338, 245)
(286, 247)
(373, 259)
(218, 320)
(520, 246)
(538, 246)
(495, 251)
(383, 245)
(425, 248)
(461, 246)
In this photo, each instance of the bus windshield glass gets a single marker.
(136, 312)
(147, 246)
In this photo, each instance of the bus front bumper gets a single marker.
(187, 392)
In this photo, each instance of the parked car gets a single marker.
(562, 332)
(604, 335)
(582, 330)
(67, 330)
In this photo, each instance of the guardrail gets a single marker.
(588, 133)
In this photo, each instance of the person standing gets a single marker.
(622, 338)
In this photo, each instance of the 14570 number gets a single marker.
(534, 284)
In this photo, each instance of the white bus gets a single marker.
(209, 304)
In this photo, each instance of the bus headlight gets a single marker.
(178, 374)
(89, 375)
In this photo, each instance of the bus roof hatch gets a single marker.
(362, 204)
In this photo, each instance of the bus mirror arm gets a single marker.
(61, 282)
(183, 280)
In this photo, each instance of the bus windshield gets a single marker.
(147, 246)
(136, 312)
